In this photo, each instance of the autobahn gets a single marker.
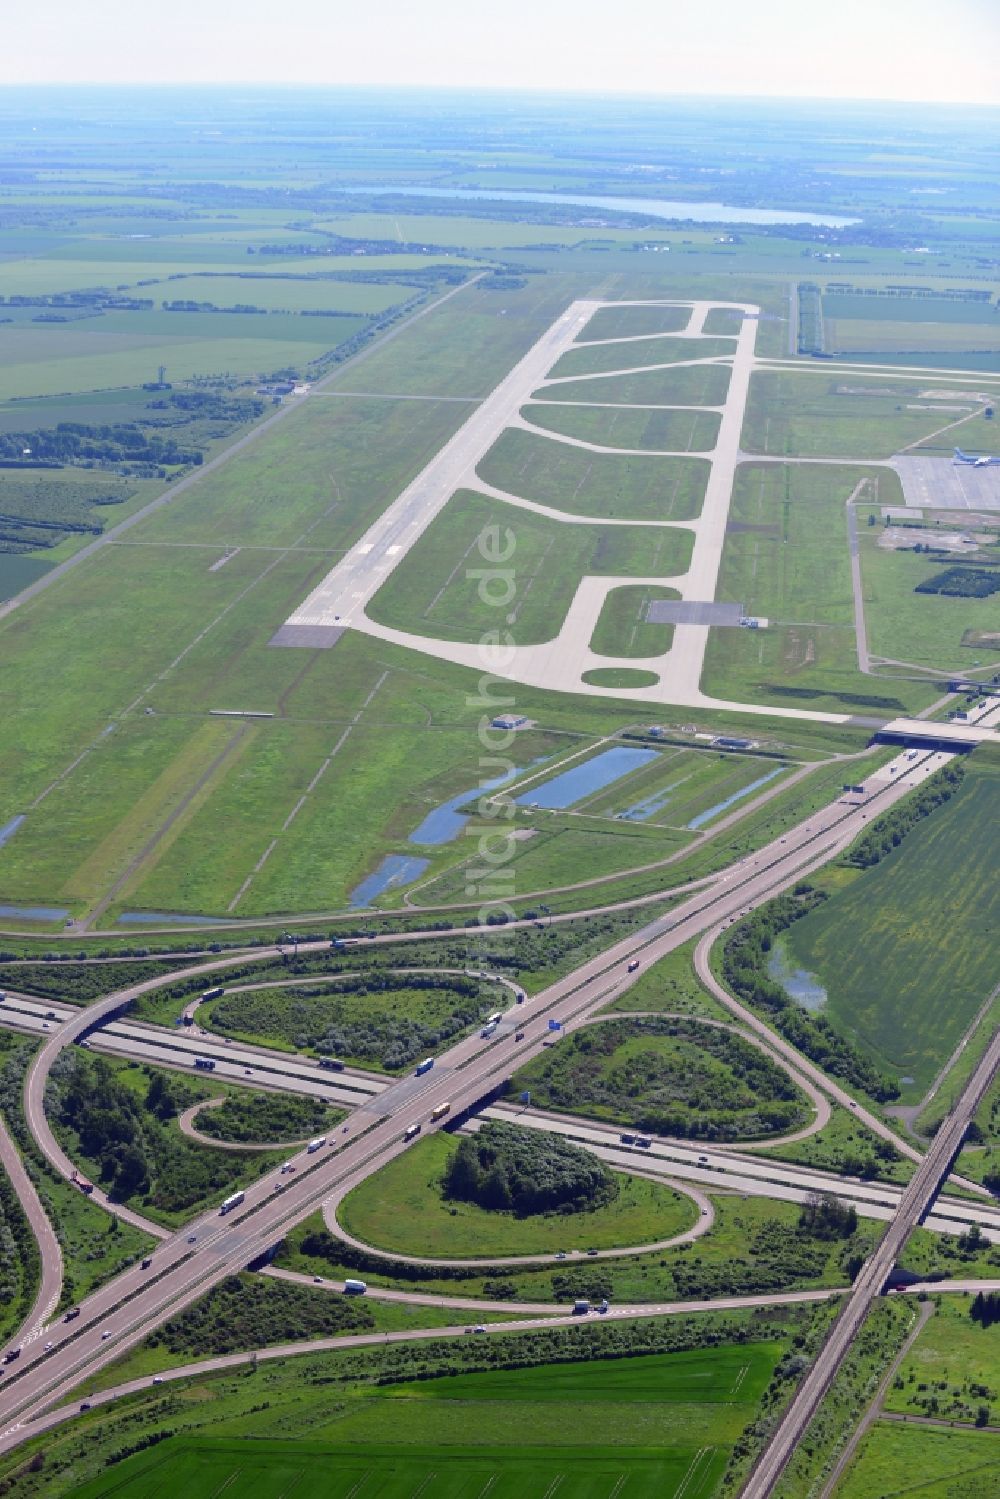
(186, 1265)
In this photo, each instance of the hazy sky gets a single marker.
(882, 49)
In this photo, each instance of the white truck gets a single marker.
(316, 1144)
(355, 1287)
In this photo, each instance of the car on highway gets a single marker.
(192, 1238)
(317, 1280)
(85, 1405)
(157, 1378)
(105, 1335)
(146, 1262)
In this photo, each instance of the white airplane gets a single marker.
(976, 461)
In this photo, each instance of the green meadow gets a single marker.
(665, 431)
(608, 486)
(905, 951)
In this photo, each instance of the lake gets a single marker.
(654, 208)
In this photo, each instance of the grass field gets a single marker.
(619, 676)
(786, 559)
(842, 415)
(631, 322)
(682, 787)
(896, 1461)
(693, 385)
(623, 487)
(949, 311)
(400, 1209)
(870, 336)
(670, 985)
(905, 952)
(432, 593)
(927, 629)
(556, 852)
(659, 1424)
(724, 320)
(622, 628)
(601, 358)
(468, 345)
(53, 360)
(953, 1360)
(664, 431)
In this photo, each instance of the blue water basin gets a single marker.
(35, 913)
(10, 828)
(169, 918)
(803, 986)
(394, 870)
(730, 801)
(584, 779)
(445, 822)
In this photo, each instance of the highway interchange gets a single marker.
(59, 1357)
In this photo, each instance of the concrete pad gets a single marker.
(940, 484)
(311, 637)
(692, 612)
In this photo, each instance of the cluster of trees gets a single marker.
(180, 305)
(137, 448)
(189, 406)
(39, 512)
(744, 969)
(19, 1267)
(345, 1024)
(508, 1169)
(888, 831)
(985, 1308)
(80, 983)
(250, 1311)
(824, 1216)
(712, 1086)
(963, 582)
(260, 1118)
(127, 1136)
(94, 301)
(124, 444)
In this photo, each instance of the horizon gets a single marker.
(901, 51)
